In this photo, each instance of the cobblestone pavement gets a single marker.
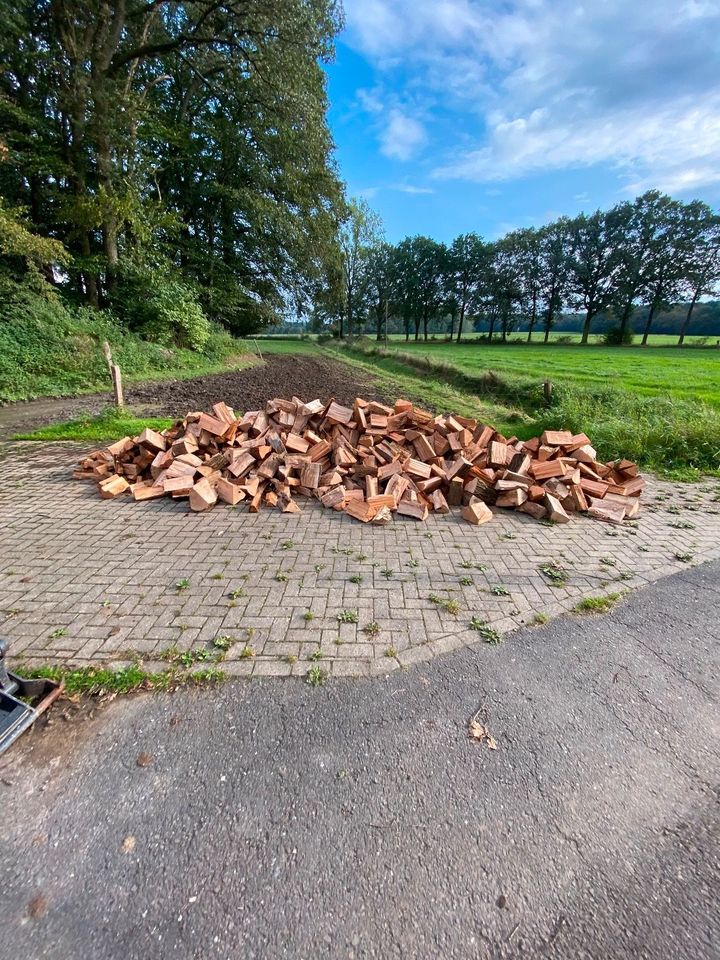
(85, 581)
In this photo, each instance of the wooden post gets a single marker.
(548, 390)
(108, 355)
(117, 385)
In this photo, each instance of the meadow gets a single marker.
(655, 405)
(645, 371)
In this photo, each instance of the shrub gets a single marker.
(161, 308)
(616, 337)
(51, 348)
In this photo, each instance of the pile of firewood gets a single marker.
(369, 461)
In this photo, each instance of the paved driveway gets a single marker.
(269, 819)
(88, 581)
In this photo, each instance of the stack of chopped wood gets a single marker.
(368, 460)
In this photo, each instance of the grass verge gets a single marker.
(673, 436)
(98, 681)
(434, 388)
(109, 425)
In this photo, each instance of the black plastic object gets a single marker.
(21, 701)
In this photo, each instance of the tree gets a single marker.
(381, 283)
(702, 267)
(185, 137)
(593, 265)
(467, 263)
(669, 250)
(553, 269)
(637, 225)
(527, 249)
(359, 234)
(430, 271)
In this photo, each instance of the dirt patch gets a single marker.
(31, 414)
(248, 389)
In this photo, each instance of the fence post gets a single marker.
(548, 391)
(117, 385)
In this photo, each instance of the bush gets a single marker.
(242, 315)
(161, 308)
(50, 348)
(564, 339)
(616, 337)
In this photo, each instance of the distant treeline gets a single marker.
(706, 321)
(644, 265)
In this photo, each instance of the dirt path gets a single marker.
(247, 389)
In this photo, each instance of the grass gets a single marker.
(488, 633)
(316, 676)
(109, 425)
(445, 603)
(657, 406)
(597, 604)
(96, 681)
(656, 339)
(49, 348)
(645, 371)
(434, 391)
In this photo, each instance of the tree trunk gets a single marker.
(548, 323)
(648, 324)
(589, 316)
(491, 327)
(688, 317)
(625, 318)
(416, 320)
(533, 316)
(462, 320)
(349, 315)
(378, 314)
(425, 322)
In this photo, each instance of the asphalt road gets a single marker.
(273, 820)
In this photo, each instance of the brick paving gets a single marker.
(85, 581)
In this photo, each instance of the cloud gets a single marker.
(542, 85)
(401, 136)
(411, 188)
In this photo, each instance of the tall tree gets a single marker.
(381, 284)
(702, 266)
(555, 242)
(360, 233)
(177, 134)
(593, 265)
(670, 249)
(467, 264)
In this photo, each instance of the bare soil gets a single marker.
(248, 389)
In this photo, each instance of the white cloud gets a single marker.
(401, 136)
(411, 188)
(550, 85)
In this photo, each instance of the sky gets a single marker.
(457, 115)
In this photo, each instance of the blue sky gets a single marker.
(487, 115)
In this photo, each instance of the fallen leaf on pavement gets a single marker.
(128, 844)
(480, 733)
(144, 759)
(37, 907)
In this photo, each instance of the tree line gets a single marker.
(653, 252)
(177, 152)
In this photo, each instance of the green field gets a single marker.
(647, 371)
(655, 339)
